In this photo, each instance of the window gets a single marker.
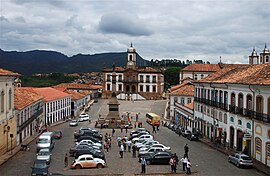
(258, 145)
(249, 126)
(120, 78)
(154, 89)
(154, 79)
(130, 57)
(225, 118)
(108, 87)
(108, 78)
(268, 150)
(189, 100)
(147, 88)
(232, 119)
(2, 101)
(195, 77)
(141, 78)
(182, 100)
(141, 88)
(119, 87)
(220, 116)
(9, 99)
(239, 122)
(259, 104)
(175, 99)
(147, 78)
(266, 59)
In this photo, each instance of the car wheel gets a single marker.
(148, 162)
(99, 166)
(238, 165)
(78, 166)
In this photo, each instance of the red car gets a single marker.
(57, 134)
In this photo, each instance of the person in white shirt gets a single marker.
(143, 164)
(188, 167)
(121, 151)
(184, 161)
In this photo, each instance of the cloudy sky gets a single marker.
(182, 29)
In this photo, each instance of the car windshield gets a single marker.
(43, 153)
(40, 165)
(57, 132)
(43, 141)
(245, 157)
(74, 121)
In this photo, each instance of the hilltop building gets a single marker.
(8, 127)
(262, 59)
(133, 83)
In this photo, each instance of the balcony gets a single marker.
(31, 119)
(261, 116)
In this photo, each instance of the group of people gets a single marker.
(174, 162)
(185, 161)
(124, 145)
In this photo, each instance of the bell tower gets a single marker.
(265, 55)
(254, 58)
(131, 57)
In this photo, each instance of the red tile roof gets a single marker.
(202, 67)
(242, 74)
(24, 97)
(190, 105)
(79, 86)
(49, 93)
(4, 72)
(185, 89)
(75, 95)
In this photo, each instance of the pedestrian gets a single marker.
(121, 129)
(172, 164)
(135, 125)
(158, 127)
(121, 151)
(113, 131)
(66, 160)
(175, 158)
(125, 146)
(188, 167)
(129, 145)
(154, 129)
(143, 164)
(184, 162)
(126, 128)
(107, 146)
(134, 151)
(186, 148)
(137, 117)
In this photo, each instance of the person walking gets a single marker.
(126, 127)
(121, 151)
(143, 165)
(133, 151)
(188, 167)
(129, 145)
(175, 158)
(121, 129)
(184, 162)
(158, 127)
(113, 131)
(172, 164)
(186, 148)
(66, 160)
(154, 129)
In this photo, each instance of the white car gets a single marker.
(89, 142)
(168, 149)
(73, 123)
(44, 154)
(83, 117)
(143, 138)
(87, 161)
(146, 143)
(150, 150)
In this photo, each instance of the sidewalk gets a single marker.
(256, 164)
(5, 157)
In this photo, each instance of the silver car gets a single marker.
(44, 154)
(240, 159)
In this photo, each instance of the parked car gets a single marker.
(57, 135)
(89, 138)
(138, 135)
(193, 136)
(89, 132)
(161, 146)
(73, 150)
(95, 153)
(139, 145)
(240, 159)
(158, 158)
(142, 138)
(45, 155)
(73, 123)
(149, 144)
(178, 131)
(150, 150)
(137, 131)
(87, 161)
(170, 126)
(91, 143)
(83, 117)
(40, 168)
(186, 133)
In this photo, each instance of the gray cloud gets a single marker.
(124, 23)
(170, 29)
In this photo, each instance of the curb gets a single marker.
(225, 153)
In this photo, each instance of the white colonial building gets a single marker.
(233, 105)
(133, 83)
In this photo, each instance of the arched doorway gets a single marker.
(231, 137)
(127, 88)
(133, 88)
(239, 140)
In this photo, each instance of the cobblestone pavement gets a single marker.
(204, 159)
